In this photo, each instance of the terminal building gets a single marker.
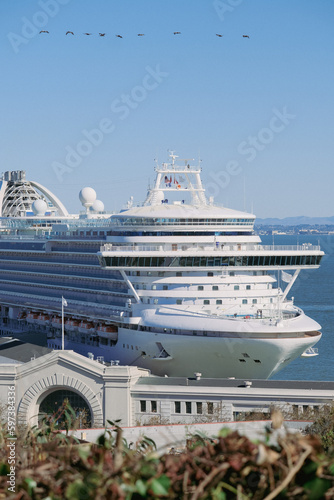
(44, 378)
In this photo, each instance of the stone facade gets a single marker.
(132, 396)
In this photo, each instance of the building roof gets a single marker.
(255, 384)
(183, 211)
(20, 351)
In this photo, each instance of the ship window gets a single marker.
(138, 273)
(257, 361)
(154, 287)
(210, 408)
(232, 273)
(248, 287)
(199, 408)
(155, 301)
(206, 302)
(179, 301)
(188, 406)
(236, 287)
(245, 355)
(153, 406)
(219, 302)
(177, 407)
(244, 301)
(271, 300)
(142, 406)
(215, 287)
(178, 274)
(254, 301)
(200, 287)
(210, 274)
(242, 360)
(165, 287)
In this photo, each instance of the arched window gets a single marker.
(54, 401)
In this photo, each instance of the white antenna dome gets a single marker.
(39, 207)
(87, 196)
(98, 206)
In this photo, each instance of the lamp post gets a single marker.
(63, 304)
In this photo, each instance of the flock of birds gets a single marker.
(138, 34)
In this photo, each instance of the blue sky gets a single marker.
(96, 111)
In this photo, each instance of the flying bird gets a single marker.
(141, 34)
(119, 36)
(87, 33)
(177, 32)
(102, 34)
(245, 36)
(217, 34)
(43, 31)
(69, 33)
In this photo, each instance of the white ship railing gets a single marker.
(109, 247)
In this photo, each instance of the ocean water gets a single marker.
(313, 291)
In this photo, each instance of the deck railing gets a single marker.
(306, 247)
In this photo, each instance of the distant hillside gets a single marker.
(296, 221)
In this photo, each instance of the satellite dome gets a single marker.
(39, 207)
(98, 206)
(87, 196)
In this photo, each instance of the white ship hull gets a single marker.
(244, 349)
(213, 357)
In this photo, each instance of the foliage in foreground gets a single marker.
(323, 426)
(51, 465)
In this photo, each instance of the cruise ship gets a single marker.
(177, 284)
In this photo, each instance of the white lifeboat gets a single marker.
(107, 331)
(86, 327)
(56, 322)
(32, 317)
(43, 319)
(72, 325)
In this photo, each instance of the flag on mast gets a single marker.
(286, 277)
(63, 302)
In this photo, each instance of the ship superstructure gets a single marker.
(177, 285)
